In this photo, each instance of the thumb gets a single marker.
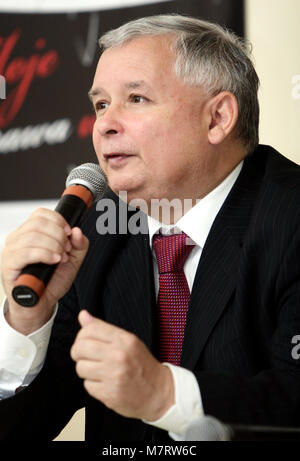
(85, 318)
(78, 240)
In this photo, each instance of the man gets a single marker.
(176, 119)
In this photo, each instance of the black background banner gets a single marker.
(48, 61)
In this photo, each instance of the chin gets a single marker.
(122, 187)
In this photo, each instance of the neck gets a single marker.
(172, 207)
(170, 211)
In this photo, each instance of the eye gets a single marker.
(136, 98)
(100, 106)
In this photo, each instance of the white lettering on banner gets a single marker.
(34, 136)
(86, 51)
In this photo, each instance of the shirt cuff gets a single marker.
(188, 403)
(20, 354)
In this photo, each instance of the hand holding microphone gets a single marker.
(47, 251)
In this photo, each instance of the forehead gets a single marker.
(147, 58)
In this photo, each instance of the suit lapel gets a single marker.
(130, 289)
(217, 270)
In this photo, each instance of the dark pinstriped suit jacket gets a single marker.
(244, 312)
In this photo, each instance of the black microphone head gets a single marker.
(91, 176)
(209, 429)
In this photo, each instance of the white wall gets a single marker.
(273, 27)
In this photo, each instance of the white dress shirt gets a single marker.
(196, 223)
(22, 357)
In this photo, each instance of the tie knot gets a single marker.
(171, 252)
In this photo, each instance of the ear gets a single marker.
(223, 112)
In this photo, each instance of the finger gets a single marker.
(34, 239)
(54, 216)
(110, 366)
(88, 369)
(18, 260)
(78, 240)
(85, 318)
(38, 225)
(97, 390)
(88, 349)
(98, 329)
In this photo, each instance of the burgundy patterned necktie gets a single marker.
(174, 294)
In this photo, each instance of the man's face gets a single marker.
(150, 134)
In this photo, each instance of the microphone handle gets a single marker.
(34, 278)
(208, 428)
(241, 432)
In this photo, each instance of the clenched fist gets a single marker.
(119, 370)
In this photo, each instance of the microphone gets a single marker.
(84, 184)
(211, 429)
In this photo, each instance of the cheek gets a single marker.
(175, 149)
(164, 142)
(159, 138)
(96, 138)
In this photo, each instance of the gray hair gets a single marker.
(207, 55)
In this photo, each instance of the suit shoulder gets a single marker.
(279, 194)
(280, 170)
(281, 176)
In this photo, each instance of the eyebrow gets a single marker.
(130, 85)
(136, 84)
(94, 92)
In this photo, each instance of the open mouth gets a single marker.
(116, 155)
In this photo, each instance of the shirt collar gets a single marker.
(197, 222)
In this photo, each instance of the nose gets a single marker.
(109, 123)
